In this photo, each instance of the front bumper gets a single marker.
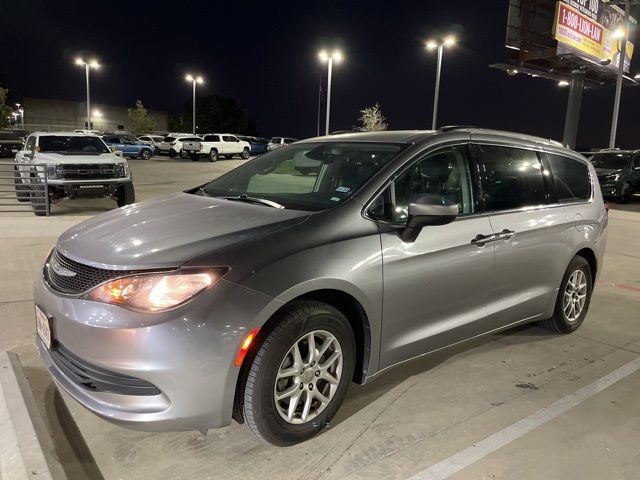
(187, 353)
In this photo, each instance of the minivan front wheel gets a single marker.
(573, 299)
(299, 375)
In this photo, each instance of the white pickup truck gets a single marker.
(215, 144)
(71, 165)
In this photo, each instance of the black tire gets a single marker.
(125, 194)
(304, 171)
(22, 190)
(184, 154)
(228, 156)
(213, 155)
(145, 154)
(172, 153)
(625, 193)
(38, 202)
(559, 322)
(256, 388)
(246, 153)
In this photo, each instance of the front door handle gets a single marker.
(481, 240)
(505, 234)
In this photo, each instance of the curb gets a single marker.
(21, 455)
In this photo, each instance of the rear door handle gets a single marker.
(505, 234)
(481, 240)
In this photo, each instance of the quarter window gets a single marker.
(571, 178)
(513, 178)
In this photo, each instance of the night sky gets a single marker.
(265, 55)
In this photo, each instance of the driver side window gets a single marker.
(445, 174)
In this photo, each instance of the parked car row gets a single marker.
(210, 145)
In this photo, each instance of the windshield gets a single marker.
(615, 161)
(309, 176)
(72, 144)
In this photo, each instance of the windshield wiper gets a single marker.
(261, 201)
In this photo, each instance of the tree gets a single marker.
(5, 110)
(372, 120)
(139, 120)
(217, 113)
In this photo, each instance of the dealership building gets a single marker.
(48, 114)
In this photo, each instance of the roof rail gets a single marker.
(449, 128)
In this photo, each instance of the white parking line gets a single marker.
(470, 455)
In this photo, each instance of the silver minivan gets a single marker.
(261, 295)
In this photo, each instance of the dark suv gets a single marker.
(618, 172)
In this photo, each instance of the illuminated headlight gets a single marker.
(122, 170)
(53, 171)
(155, 292)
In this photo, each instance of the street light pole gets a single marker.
(86, 69)
(621, 59)
(437, 91)
(329, 58)
(194, 80)
(319, 104)
(87, 66)
(439, 45)
(329, 70)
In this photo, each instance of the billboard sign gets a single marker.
(587, 28)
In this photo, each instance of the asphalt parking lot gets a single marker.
(488, 409)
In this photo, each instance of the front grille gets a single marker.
(87, 172)
(73, 278)
(98, 379)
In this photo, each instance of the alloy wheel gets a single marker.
(575, 295)
(308, 377)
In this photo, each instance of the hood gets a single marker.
(168, 231)
(603, 172)
(57, 158)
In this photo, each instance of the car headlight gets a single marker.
(52, 171)
(122, 170)
(155, 292)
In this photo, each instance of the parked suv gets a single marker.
(172, 144)
(215, 144)
(277, 142)
(129, 145)
(153, 140)
(618, 173)
(74, 165)
(261, 295)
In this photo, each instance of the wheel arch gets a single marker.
(590, 256)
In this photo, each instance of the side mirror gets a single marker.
(427, 210)
(117, 153)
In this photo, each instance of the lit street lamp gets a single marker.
(194, 80)
(88, 65)
(21, 112)
(439, 45)
(329, 58)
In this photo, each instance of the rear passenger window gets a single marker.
(571, 178)
(513, 178)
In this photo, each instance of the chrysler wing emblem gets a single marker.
(62, 271)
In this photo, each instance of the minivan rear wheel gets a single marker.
(299, 374)
(573, 299)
